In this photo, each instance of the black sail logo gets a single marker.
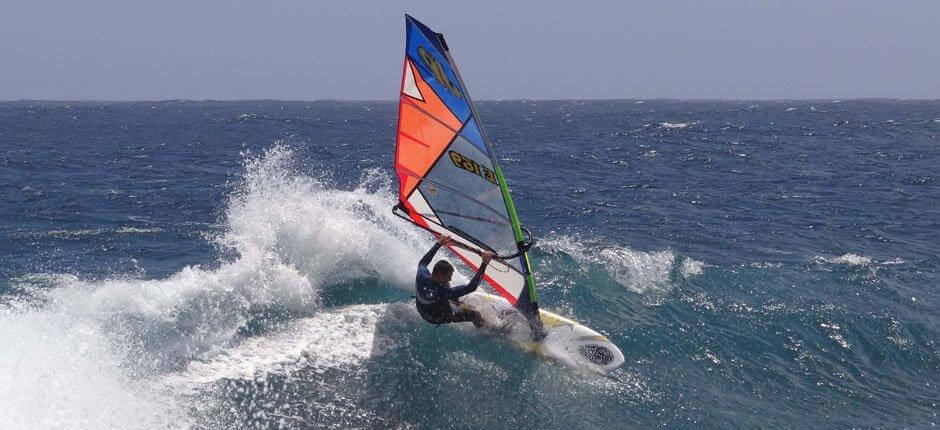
(464, 162)
(432, 64)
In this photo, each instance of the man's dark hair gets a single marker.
(442, 267)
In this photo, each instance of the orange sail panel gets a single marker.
(425, 128)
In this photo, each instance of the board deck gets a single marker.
(567, 341)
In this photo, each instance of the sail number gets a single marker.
(464, 162)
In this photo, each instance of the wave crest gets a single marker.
(643, 272)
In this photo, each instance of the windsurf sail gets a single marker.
(449, 180)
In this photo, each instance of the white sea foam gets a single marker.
(325, 233)
(93, 353)
(690, 268)
(137, 230)
(72, 234)
(641, 272)
(343, 337)
(836, 335)
(676, 124)
(894, 262)
(60, 370)
(896, 335)
(85, 232)
(848, 259)
(852, 260)
(707, 355)
(791, 109)
(765, 265)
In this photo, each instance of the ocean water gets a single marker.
(174, 264)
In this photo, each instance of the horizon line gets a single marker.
(26, 100)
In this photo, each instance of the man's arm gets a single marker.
(430, 254)
(463, 290)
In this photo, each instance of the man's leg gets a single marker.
(434, 314)
(464, 313)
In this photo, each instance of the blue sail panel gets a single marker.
(425, 51)
(471, 132)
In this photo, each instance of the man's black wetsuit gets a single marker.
(433, 300)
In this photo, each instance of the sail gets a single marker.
(450, 182)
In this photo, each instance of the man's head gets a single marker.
(442, 273)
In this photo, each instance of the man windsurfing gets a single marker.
(435, 299)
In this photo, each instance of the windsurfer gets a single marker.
(436, 300)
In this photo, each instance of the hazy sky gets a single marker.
(305, 50)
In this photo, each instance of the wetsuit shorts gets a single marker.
(443, 313)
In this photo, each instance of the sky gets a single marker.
(311, 50)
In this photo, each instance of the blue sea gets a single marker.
(230, 265)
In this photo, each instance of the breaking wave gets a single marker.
(108, 343)
(643, 272)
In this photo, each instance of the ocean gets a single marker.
(230, 265)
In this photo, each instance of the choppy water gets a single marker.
(236, 265)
